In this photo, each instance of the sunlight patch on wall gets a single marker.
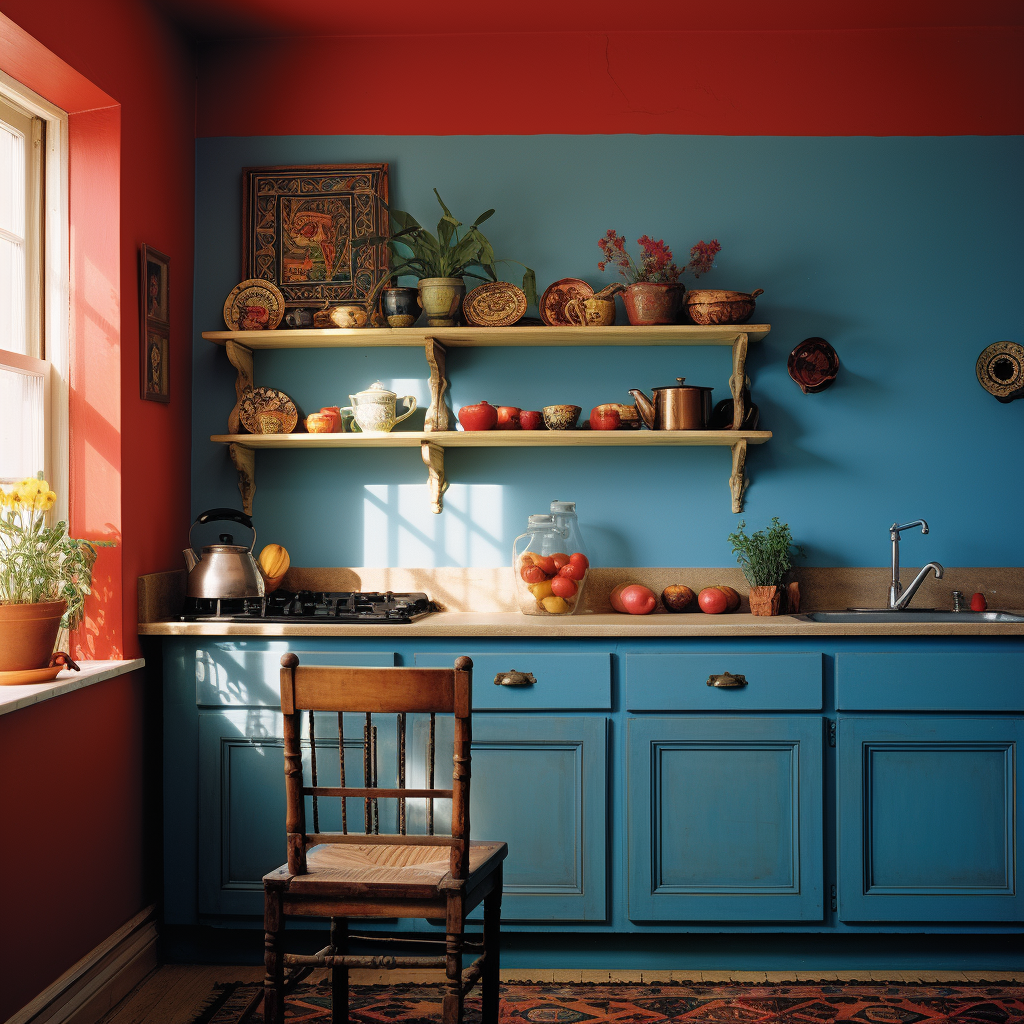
(401, 531)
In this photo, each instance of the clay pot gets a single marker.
(590, 312)
(648, 303)
(28, 633)
(441, 299)
(765, 600)
(708, 306)
(400, 306)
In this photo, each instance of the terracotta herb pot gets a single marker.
(765, 600)
(441, 298)
(648, 303)
(28, 633)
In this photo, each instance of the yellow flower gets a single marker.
(48, 500)
(29, 490)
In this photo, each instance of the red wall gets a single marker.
(74, 767)
(875, 81)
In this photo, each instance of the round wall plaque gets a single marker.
(1000, 370)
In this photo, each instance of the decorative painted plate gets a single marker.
(23, 677)
(813, 364)
(494, 304)
(266, 411)
(552, 302)
(254, 305)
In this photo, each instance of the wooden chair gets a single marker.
(341, 874)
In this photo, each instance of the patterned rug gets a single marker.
(724, 1003)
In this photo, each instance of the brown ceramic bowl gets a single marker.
(561, 417)
(708, 306)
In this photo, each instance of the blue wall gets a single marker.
(905, 253)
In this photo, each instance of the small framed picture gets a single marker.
(155, 332)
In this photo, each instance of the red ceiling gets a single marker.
(227, 18)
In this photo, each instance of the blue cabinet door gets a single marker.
(725, 818)
(930, 822)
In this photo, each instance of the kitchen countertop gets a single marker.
(515, 624)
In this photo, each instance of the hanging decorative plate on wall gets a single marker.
(494, 304)
(266, 411)
(254, 306)
(553, 301)
(813, 364)
(1000, 370)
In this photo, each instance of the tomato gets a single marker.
(732, 597)
(712, 601)
(560, 558)
(578, 558)
(556, 605)
(545, 562)
(531, 419)
(572, 571)
(638, 600)
(533, 574)
(478, 417)
(677, 598)
(562, 586)
(508, 417)
(615, 595)
(605, 417)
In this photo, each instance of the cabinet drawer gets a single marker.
(571, 681)
(227, 674)
(679, 682)
(986, 681)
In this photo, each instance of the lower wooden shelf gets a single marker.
(243, 448)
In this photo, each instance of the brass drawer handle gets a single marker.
(514, 678)
(727, 681)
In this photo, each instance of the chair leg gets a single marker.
(492, 950)
(339, 975)
(273, 984)
(455, 928)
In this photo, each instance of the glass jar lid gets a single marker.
(563, 507)
(543, 521)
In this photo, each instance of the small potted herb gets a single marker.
(45, 576)
(765, 557)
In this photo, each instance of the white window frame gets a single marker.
(55, 297)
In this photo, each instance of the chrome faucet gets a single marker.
(897, 600)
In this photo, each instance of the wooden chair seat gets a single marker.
(355, 867)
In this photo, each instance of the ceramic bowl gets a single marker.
(708, 306)
(561, 417)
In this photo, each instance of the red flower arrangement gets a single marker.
(655, 259)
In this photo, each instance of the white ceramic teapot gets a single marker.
(374, 408)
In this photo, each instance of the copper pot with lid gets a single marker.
(676, 407)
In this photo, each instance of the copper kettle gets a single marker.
(677, 407)
(223, 570)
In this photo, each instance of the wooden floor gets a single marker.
(173, 994)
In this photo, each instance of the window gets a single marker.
(33, 290)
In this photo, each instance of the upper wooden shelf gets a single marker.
(489, 337)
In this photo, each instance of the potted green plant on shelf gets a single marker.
(654, 293)
(441, 261)
(765, 557)
(45, 576)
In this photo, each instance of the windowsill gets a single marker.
(13, 698)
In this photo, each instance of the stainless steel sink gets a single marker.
(908, 615)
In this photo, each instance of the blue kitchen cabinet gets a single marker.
(725, 818)
(930, 818)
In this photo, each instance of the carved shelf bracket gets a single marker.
(737, 382)
(437, 413)
(245, 462)
(433, 459)
(738, 479)
(240, 358)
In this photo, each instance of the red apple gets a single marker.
(572, 571)
(580, 559)
(508, 417)
(614, 597)
(712, 601)
(638, 600)
(531, 419)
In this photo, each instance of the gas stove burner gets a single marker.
(311, 606)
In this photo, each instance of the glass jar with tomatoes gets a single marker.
(550, 562)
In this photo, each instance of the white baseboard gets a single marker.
(101, 979)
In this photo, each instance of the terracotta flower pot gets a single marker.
(765, 600)
(648, 303)
(28, 633)
(441, 298)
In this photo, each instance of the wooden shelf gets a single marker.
(435, 341)
(500, 439)
(489, 337)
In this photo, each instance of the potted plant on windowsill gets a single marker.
(45, 576)
(765, 557)
(654, 294)
(441, 261)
